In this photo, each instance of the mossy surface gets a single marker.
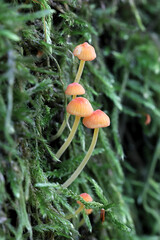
(37, 39)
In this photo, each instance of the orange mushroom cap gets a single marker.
(80, 107)
(148, 119)
(85, 52)
(75, 89)
(86, 197)
(97, 119)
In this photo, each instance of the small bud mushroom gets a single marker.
(95, 121)
(102, 215)
(75, 89)
(86, 197)
(148, 119)
(85, 52)
(80, 107)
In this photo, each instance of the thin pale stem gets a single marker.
(76, 212)
(81, 223)
(61, 129)
(69, 139)
(77, 79)
(85, 160)
(80, 70)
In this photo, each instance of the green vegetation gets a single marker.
(37, 39)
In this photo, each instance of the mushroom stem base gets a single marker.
(84, 161)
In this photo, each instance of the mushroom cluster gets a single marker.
(84, 52)
(96, 120)
(81, 107)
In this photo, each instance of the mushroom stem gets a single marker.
(77, 79)
(76, 212)
(81, 223)
(69, 139)
(84, 161)
(62, 127)
(80, 70)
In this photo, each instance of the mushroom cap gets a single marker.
(86, 197)
(80, 107)
(97, 119)
(85, 52)
(75, 89)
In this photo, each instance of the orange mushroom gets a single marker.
(85, 52)
(75, 89)
(148, 119)
(80, 107)
(86, 197)
(96, 120)
(102, 215)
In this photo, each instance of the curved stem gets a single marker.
(69, 139)
(80, 70)
(85, 160)
(77, 79)
(76, 212)
(62, 127)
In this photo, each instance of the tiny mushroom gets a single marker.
(75, 89)
(96, 120)
(148, 119)
(102, 215)
(86, 197)
(85, 52)
(80, 107)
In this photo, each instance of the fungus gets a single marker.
(86, 197)
(148, 119)
(85, 52)
(75, 89)
(102, 215)
(80, 107)
(96, 120)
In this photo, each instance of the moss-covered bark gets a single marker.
(37, 39)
